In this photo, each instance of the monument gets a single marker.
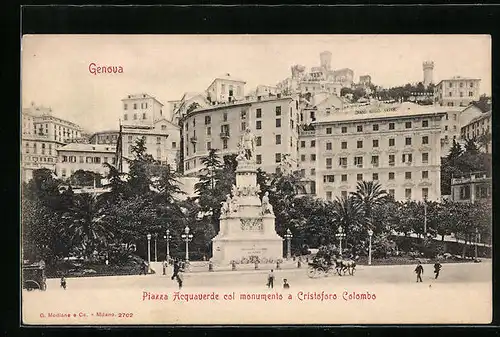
(247, 226)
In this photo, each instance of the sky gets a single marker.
(55, 68)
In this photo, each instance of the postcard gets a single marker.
(256, 179)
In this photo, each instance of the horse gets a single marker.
(345, 265)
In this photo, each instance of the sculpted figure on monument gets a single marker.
(248, 141)
(233, 206)
(241, 152)
(225, 205)
(267, 208)
(234, 191)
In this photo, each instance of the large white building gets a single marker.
(42, 134)
(457, 91)
(88, 157)
(398, 146)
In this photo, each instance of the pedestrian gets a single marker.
(419, 270)
(278, 265)
(164, 265)
(63, 282)
(285, 284)
(299, 263)
(437, 269)
(177, 267)
(270, 280)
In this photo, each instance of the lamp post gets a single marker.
(370, 233)
(288, 237)
(167, 237)
(340, 235)
(187, 237)
(425, 216)
(475, 248)
(156, 250)
(149, 249)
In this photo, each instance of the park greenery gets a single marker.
(58, 223)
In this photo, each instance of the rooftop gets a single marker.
(81, 147)
(482, 116)
(142, 95)
(250, 100)
(228, 77)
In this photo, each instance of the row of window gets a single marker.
(88, 160)
(471, 94)
(376, 127)
(330, 178)
(144, 116)
(461, 84)
(143, 106)
(359, 143)
(406, 158)
(392, 192)
(41, 159)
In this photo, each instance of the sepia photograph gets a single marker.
(256, 179)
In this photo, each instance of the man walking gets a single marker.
(437, 269)
(419, 270)
(270, 280)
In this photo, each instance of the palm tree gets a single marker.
(350, 215)
(484, 141)
(86, 224)
(369, 194)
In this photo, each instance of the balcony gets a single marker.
(359, 165)
(193, 139)
(391, 163)
(375, 164)
(224, 135)
(408, 163)
(343, 166)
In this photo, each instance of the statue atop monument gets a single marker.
(248, 144)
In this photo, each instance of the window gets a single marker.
(328, 131)
(358, 161)
(302, 143)
(425, 193)
(391, 126)
(258, 141)
(223, 88)
(328, 163)
(135, 106)
(209, 145)
(163, 127)
(224, 143)
(278, 139)
(258, 113)
(135, 116)
(392, 141)
(446, 128)
(329, 146)
(343, 145)
(313, 143)
(125, 107)
(174, 145)
(81, 160)
(329, 178)
(375, 161)
(471, 94)
(359, 176)
(343, 177)
(408, 141)
(278, 122)
(425, 157)
(454, 128)
(343, 162)
(343, 194)
(359, 128)
(158, 140)
(243, 126)
(391, 175)
(258, 125)
(425, 140)
(143, 115)
(97, 160)
(208, 120)
(375, 142)
(392, 160)
(329, 195)
(344, 129)
(375, 127)
(407, 158)
(425, 124)
(375, 176)
(461, 94)
(449, 94)
(258, 159)
(302, 157)
(407, 175)
(243, 114)
(408, 125)
(209, 131)
(408, 193)
(359, 144)
(278, 111)
(313, 172)
(425, 174)
(277, 157)
(454, 117)
(224, 116)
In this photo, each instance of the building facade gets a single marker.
(457, 91)
(477, 128)
(42, 134)
(471, 188)
(397, 146)
(87, 157)
(226, 89)
(428, 69)
(274, 122)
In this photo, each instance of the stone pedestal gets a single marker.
(246, 230)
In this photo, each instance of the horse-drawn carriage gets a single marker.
(34, 276)
(327, 266)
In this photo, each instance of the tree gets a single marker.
(369, 194)
(117, 184)
(484, 141)
(85, 178)
(471, 147)
(350, 215)
(140, 168)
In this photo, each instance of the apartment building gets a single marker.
(478, 127)
(457, 91)
(88, 157)
(398, 146)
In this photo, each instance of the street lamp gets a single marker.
(370, 233)
(187, 237)
(167, 237)
(340, 235)
(149, 249)
(475, 248)
(288, 237)
(156, 250)
(425, 216)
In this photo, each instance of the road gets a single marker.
(462, 294)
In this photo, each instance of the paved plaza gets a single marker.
(462, 294)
